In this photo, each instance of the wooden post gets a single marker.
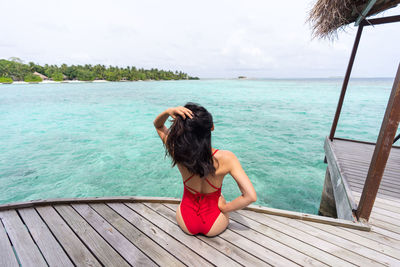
(345, 82)
(384, 143)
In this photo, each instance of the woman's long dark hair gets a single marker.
(189, 141)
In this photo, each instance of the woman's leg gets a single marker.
(219, 225)
(180, 220)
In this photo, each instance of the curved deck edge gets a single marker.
(170, 200)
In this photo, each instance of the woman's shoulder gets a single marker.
(225, 155)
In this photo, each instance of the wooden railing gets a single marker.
(387, 132)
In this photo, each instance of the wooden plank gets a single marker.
(220, 244)
(384, 232)
(309, 217)
(395, 203)
(377, 211)
(76, 250)
(245, 244)
(345, 203)
(26, 250)
(50, 248)
(100, 248)
(392, 203)
(391, 170)
(289, 241)
(383, 239)
(268, 255)
(385, 218)
(333, 249)
(7, 256)
(361, 170)
(201, 248)
(383, 187)
(386, 225)
(158, 235)
(351, 141)
(365, 252)
(155, 252)
(383, 193)
(114, 238)
(244, 230)
(387, 208)
(359, 178)
(232, 251)
(392, 253)
(55, 201)
(384, 143)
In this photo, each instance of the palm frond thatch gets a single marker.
(329, 16)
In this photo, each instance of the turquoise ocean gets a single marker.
(98, 139)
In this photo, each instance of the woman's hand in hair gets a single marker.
(181, 111)
(162, 130)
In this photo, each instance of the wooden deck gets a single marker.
(348, 165)
(122, 232)
(354, 159)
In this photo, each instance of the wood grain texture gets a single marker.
(27, 251)
(152, 250)
(51, 249)
(76, 250)
(344, 200)
(289, 229)
(97, 245)
(160, 235)
(268, 243)
(201, 248)
(255, 237)
(7, 256)
(236, 253)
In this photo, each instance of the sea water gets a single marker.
(98, 139)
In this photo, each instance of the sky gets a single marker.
(208, 39)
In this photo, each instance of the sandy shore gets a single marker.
(73, 81)
(67, 81)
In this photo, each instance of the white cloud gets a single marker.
(204, 38)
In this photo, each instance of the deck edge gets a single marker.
(171, 200)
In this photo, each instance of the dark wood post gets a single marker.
(384, 143)
(345, 82)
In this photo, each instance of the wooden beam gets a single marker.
(345, 82)
(344, 200)
(364, 13)
(383, 146)
(378, 21)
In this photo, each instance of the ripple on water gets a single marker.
(80, 140)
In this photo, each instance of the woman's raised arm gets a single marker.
(249, 194)
(160, 120)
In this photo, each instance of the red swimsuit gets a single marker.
(199, 210)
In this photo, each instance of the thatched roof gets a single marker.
(329, 16)
(44, 77)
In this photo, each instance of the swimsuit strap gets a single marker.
(211, 184)
(214, 152)
(184, 184)
(187, 180)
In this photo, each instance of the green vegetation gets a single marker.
(32, 78)
(6, 80)
(57, 76)
(18, 71)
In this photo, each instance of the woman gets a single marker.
(188, 141)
